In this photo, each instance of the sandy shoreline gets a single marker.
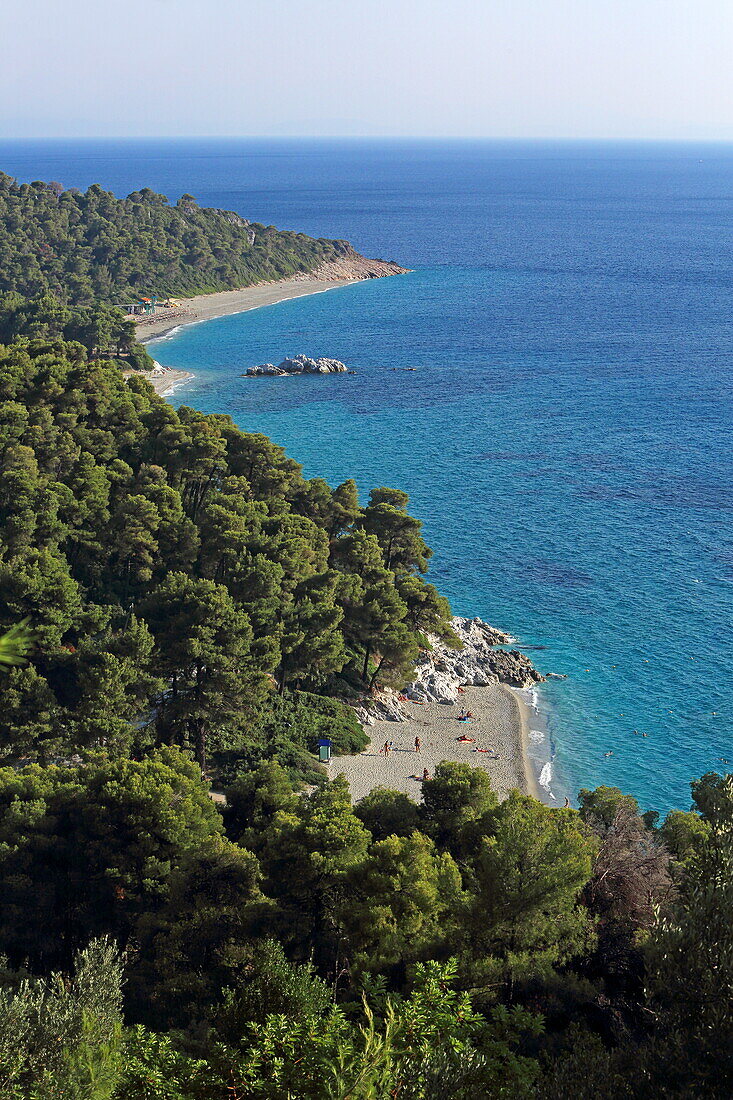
(207, 307)
(164, 380)
(165, 383)
(500, 725)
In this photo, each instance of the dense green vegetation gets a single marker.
(482, 949)
(91, 247)
(103, 330)
(178, 573)
(177, 601)
(174, 596)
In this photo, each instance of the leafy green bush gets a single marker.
(61, 1036)
(288, 730)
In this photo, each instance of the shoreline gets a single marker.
(173, 380)
(509, 727)
(540, 748)
(531, 778)
(164, 380)
(501, 726)
(225, 303)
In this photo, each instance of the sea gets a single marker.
(565, 434)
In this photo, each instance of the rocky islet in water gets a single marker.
(298, 364)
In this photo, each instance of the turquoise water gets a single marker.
(566, 436)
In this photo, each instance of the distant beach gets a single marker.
(207, 307)
(169, 380)
(500, 726)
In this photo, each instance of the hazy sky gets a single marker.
(501, 68)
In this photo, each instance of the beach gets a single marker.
(164, 380)
(206, 307)
(168, 380)
(499, 725)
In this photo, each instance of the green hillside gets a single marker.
(91, 246)
(153, 547)
(178, 603)
(170, 588)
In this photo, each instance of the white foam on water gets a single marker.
(546, 776)
(163, 336)
(538, 736)
(529, 695)
(176, 385)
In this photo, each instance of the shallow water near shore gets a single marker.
(566, 434)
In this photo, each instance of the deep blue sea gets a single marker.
(566, 437)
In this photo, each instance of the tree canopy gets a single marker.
(88, 247)
(178, 574)
(177, 601)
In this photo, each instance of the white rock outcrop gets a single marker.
(298, 364)
(441, 670)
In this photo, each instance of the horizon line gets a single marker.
(514, 139)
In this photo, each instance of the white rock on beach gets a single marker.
(442, 670)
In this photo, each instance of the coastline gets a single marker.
(224, 303)
(504, 716)
(539, 746)
(166, 384)
(531, 779)
(164, 380)
(500, 725)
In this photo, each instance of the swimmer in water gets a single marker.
(608, 754)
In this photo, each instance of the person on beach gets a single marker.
(425, 775)
(567, 803)
(418, 744)
(385, 750)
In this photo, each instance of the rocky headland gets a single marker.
(352, 266)
(298, 364)
(443, 670)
